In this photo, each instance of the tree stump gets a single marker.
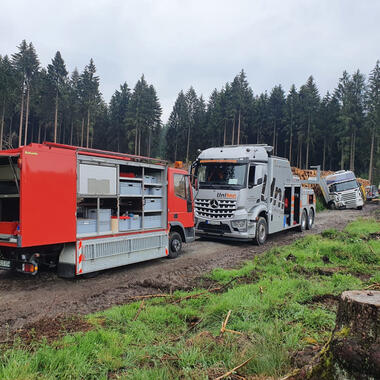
(353, 351)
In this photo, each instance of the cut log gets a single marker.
(353, 351)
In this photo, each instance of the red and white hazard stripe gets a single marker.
(80, 257)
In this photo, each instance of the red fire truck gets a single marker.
(85, 210)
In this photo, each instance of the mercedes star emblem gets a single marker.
(214, 203)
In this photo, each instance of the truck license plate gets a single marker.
(5, 263)
(214, 222)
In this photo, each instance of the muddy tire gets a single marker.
(303, 225)
(175, 245)
(359, 207)
(331, 205)
(310, 219)
(261, 231)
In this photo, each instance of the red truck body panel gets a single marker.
(47, 195)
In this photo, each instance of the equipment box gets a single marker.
(146, 190)
(128, 188)
(135, 222)
(124, 223)
(104, 214)
(105, 226)
(156, 191)
(155, 179)
(152, 221)
(152, 204)
(148, 179)
(86, 226)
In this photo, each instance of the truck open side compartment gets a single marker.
(297, 203)
(9, 198)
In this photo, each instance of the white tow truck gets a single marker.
(243, 192)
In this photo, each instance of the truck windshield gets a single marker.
(336, 187)
(221, 175)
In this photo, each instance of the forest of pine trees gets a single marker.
(340, 130)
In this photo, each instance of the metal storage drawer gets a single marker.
(155, 179)
(156, 191)
(104, 214)
(135, 222)
(86, 226)
(148, 179)
(152, 221)
(152, 204)
(105, 226)
(124, 224)
(128, 188)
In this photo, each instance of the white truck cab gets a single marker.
(344, 190)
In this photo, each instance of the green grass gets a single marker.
(321, 204)
(271, 299)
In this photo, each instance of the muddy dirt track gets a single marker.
(25, 300)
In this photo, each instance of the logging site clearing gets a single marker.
(266, 310)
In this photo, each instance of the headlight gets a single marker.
(240, 224)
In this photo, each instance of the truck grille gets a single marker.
(350, 197)
(215, 209)
(349, 200)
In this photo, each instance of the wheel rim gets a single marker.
(311, 218)
(261, 232)
(303, 221)
(176, 245)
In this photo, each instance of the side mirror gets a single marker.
(259, 181)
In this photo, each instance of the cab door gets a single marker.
(180, 198)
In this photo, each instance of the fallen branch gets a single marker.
(228, 283)
(224, 328)
(233, 332)
(234, 369)
(374, 286)
(224, 324)
(139, 310)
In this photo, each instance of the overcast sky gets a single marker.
(201, 43)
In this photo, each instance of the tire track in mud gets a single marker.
(25, 300)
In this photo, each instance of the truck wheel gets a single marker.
(331, 205)
(175, 245)
(310, 220)
(302, 226)
(261, 231)
(359, 207)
